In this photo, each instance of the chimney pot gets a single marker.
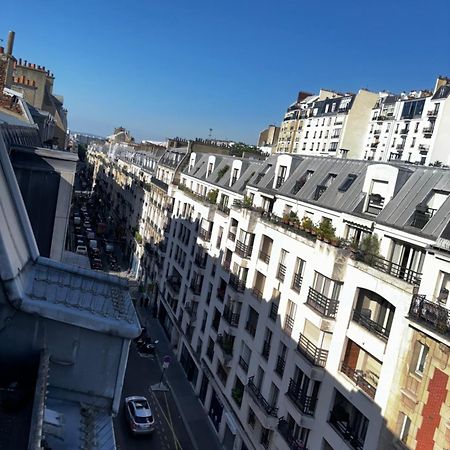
(10, 43)
(20, 61)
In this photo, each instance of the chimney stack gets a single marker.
(10, 43)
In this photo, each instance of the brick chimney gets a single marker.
(10, 43)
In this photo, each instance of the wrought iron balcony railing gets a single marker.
(431, 314)
(325, 306)
(231, 317)
(305, 403)
(236, 283)
(371, 325)
(311, 352)
(260, 400)
(357, 376)
(243, 250)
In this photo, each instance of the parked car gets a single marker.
(81, 250)
(139, 415)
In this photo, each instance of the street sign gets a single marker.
(166, 361)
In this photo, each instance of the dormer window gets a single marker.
(210, 169)
(425, 210)
(378, 192)
(301, 182)
(235, 176)
(375, 204)
(321, 188)
(281, 176)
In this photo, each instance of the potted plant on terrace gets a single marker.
(306, 224)
(326, 231)
(293, 218)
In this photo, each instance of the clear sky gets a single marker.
(165, 68)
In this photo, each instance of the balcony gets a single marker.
(359, 378)
(346, 431)
(231, 236)
(237, 284)
(288, 325)
(264, 257)
(243, 250)
(251, 328)
(273, 313)
(316, 356)
(226, 343)
(374, 144)
(389, 267)
(260, 400)
(291, 441)
(223, 208)
(266, 350)
(297, 282)
(221, 294)
(196, 288)
(404, 131)
(257, 293)
(428, 131)
(433, 113)
(371, 325)
(281, 364)
(204, 235)
(376, 132)
(200, 260)
(305, 403)
(243, 363)
(232, 318)
(281, 272)
(325, 306)
(400, 146)
(174, 283)
(432, 315)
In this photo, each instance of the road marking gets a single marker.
(177, 442)
(171, 421)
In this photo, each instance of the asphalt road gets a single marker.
(170, 432)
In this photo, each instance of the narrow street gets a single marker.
(170, 432)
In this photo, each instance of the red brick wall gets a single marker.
(437, 393)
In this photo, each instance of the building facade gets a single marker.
(288, 288)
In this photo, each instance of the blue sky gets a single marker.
(178, 68)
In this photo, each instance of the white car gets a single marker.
(139, 415)
(81, 250)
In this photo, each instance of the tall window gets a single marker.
(419, 358)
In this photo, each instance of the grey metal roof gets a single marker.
(414, 185)
(85, 298)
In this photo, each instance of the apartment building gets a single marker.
(290, 341)
(411, 127)
(330, 124)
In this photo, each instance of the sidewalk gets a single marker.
(200, 429)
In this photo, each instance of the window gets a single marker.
(235, 176)
(281, 176)
(419, 358)
(404, 424)
(251, 419)
(347, 182)
(210, 169)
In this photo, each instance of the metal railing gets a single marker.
(428, 130)
(204, 235)
(371, 325)
(346, 431)
(273, 313)
(266, 350)
(258, 397)
(357, 376)
(243, 250)
(257, 293)
(226, 343)
(236, 283)
(431, 314)
(225, 209)
(232, 318)
(263, 256)
(196, 288)
(281, 272)
(325, 306)
(311, 352)
(200, 261)
(297, 282)
(389, 267)
(291, 441)
(305, 403)
(281, 364)
(251, 328)
(288, 324)
(421, 217)
(243, 363)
